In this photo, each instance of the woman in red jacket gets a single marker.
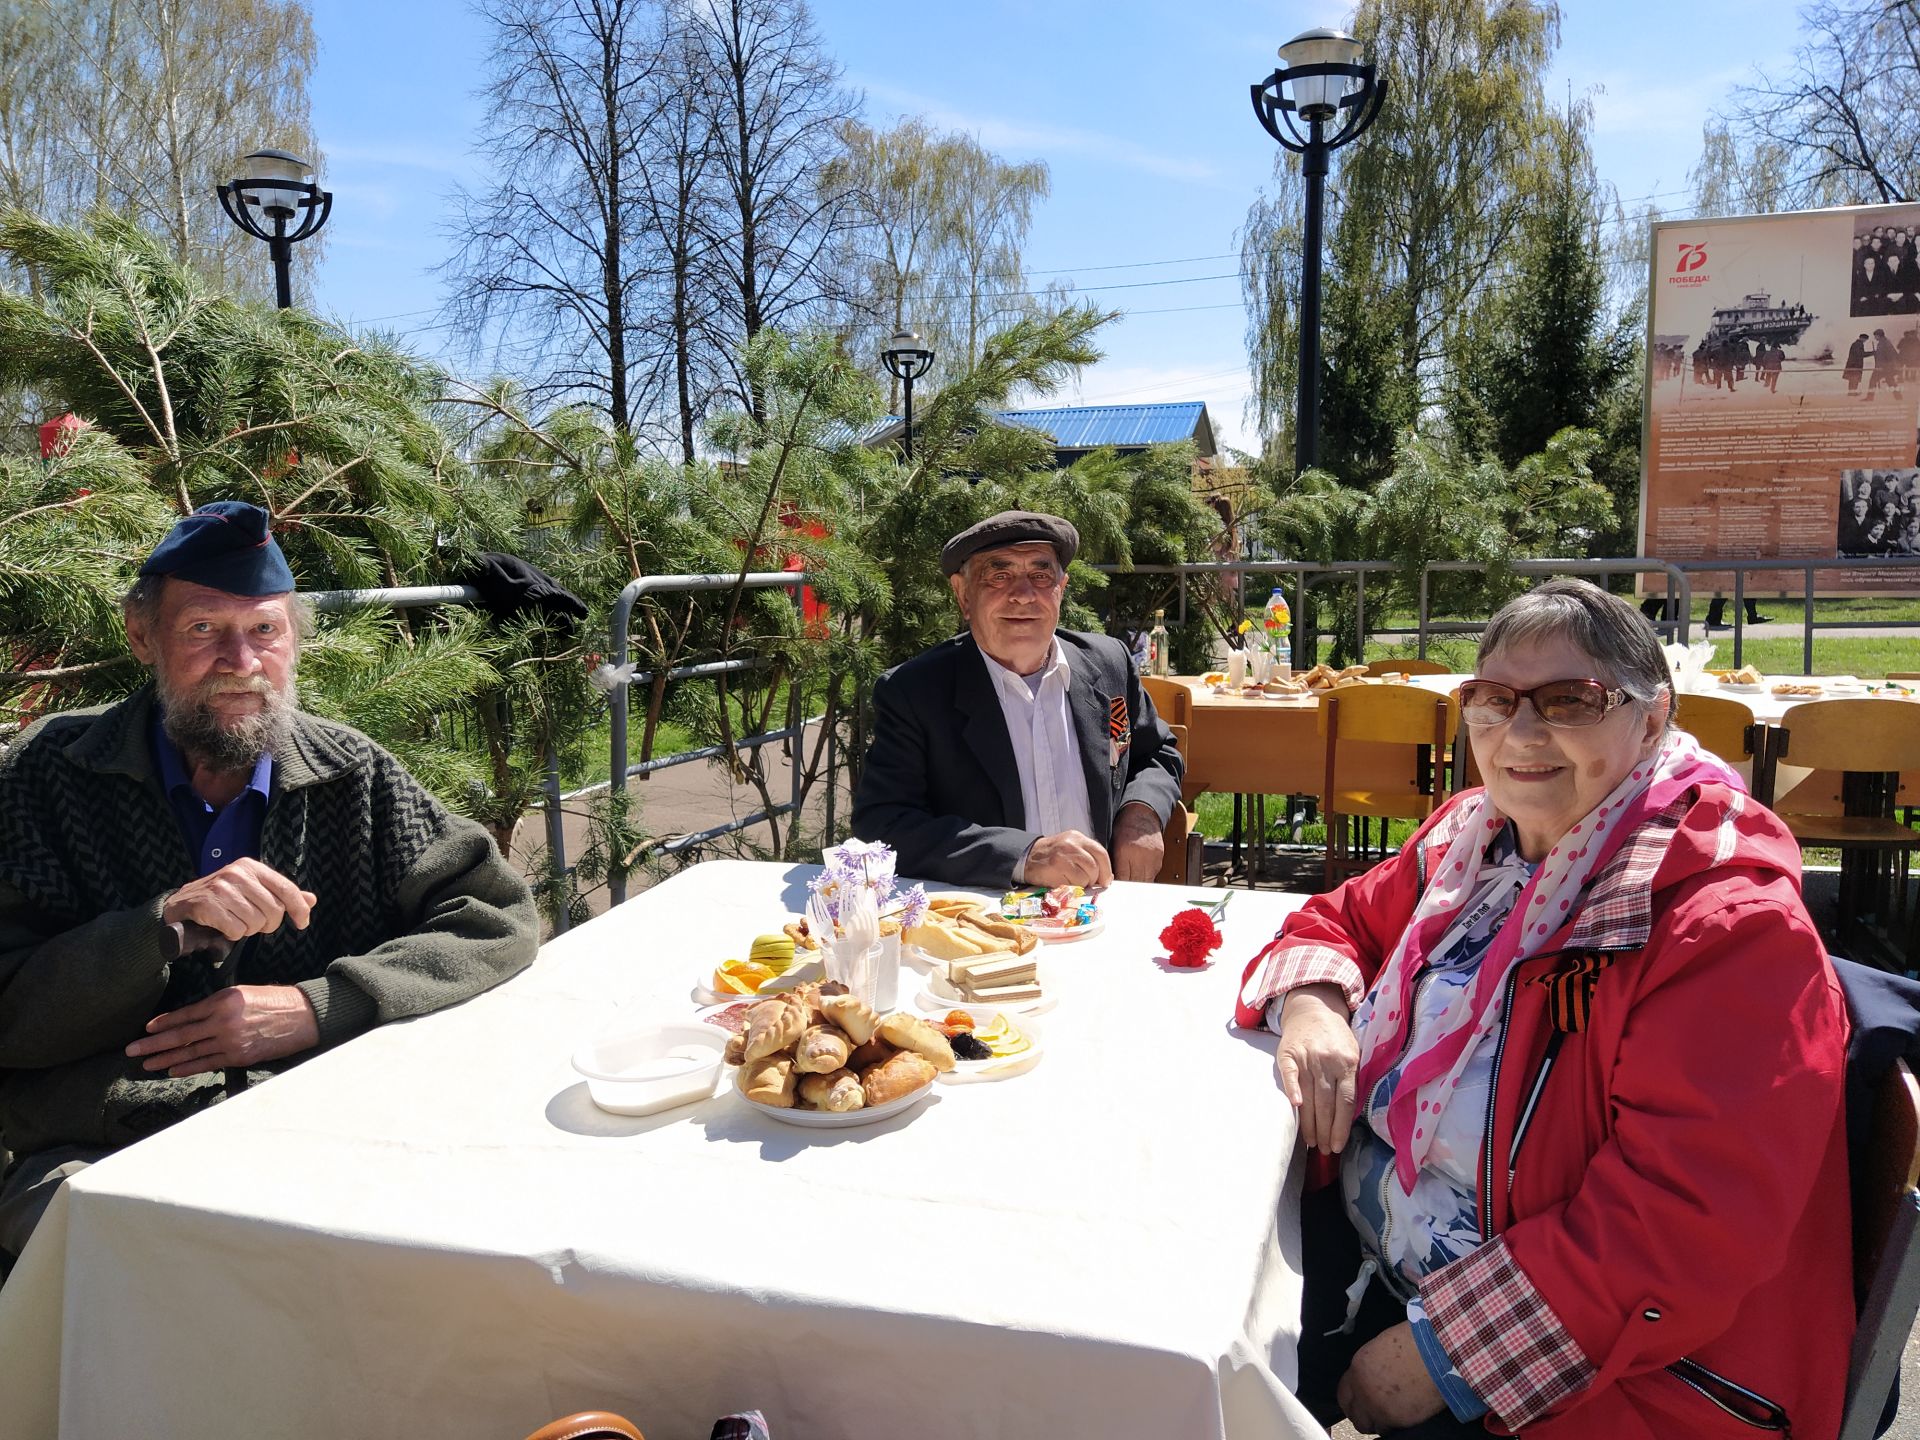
(1579, 1050)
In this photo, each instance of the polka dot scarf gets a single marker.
(1546, 905)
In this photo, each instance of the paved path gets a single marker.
(683, 801)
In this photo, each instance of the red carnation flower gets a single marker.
(1190, 937)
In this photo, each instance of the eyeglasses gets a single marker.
(1569, 704)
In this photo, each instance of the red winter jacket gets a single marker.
(1667, 1244)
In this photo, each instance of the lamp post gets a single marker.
(1322, 81)
(907, 359)
(277, 202)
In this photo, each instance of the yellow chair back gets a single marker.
(1721, 724)
(1860, 735)
(1171, 699)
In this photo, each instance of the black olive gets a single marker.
(967, 1048)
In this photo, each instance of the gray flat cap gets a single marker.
(1010, 527)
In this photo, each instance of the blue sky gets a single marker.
(1138, 106)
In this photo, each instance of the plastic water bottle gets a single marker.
(1157, 663)
(1279, 634)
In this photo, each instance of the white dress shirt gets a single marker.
(1053, 784)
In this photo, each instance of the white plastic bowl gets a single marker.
(638, 1069)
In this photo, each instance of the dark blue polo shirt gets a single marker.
(214, 837)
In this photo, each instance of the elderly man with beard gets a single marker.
(206, 799)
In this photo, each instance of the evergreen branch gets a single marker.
(64, 672)
(286, 511)
(85, 337)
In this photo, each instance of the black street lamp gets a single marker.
(907, 360)
(1321, 80)
(277, 202)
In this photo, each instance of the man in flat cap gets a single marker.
(205, 800)
(1018, 753)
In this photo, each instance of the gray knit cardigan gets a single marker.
(416, 910)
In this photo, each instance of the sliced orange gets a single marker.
(740, 977)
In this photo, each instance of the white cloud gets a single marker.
(997, 133)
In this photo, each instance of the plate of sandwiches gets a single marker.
(1744, 681)
(963, 927)
(1326, 677)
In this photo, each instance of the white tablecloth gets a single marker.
(433, 1230)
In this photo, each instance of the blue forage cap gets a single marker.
(224, 546)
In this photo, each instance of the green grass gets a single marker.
(668, 739)
(1869, 657)
(1216, 822)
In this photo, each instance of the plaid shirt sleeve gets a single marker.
(1283, 967)
(1503, 1337)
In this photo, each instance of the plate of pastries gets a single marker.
(819, 1056)
(965, 927)
(1329, 677)
(1745, 681)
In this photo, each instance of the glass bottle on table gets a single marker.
(1157, 645)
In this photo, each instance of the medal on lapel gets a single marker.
(1119, 729)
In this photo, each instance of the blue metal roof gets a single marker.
(1086, 427)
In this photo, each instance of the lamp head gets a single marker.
(276, 182)
(907, 356)
(1318, 96)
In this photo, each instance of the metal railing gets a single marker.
(1679, 589)
(619, 771)
(408, 597)
(1301, 570)
(1807, 569)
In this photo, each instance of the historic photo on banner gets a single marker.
(1783, 395)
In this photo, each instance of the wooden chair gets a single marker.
(588, 1425)
(1886, 1252)
(1405, 665)
(1171, 699)
(1903, 674)
(1390, 715)
(1186, 847)
(1870, 741)
(1723, 726)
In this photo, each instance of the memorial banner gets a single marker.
(1783, 394)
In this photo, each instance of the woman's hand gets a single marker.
(1317, 1061)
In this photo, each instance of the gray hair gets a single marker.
(1619, 639)
(143, 601)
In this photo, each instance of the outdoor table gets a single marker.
(1237, 746)
(431, 1230)
(1273, 747)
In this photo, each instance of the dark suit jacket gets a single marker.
(940, 784)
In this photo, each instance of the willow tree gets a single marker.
(1422, 210)
(142, 107)
(939, 224)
